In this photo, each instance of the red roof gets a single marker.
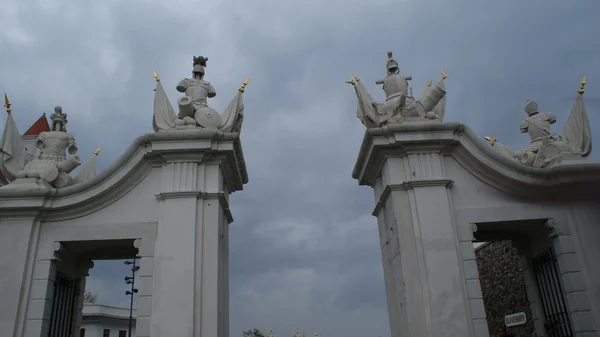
(41, 125)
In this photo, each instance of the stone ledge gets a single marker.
(460, 142)
(199, 195)
(407, 185)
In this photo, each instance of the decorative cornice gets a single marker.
(85, 266)
(137, 243)
(471, 152)
(146, 152)
(57, 251)
(473, 227)
(553, 228)
(199, 195)
(406, 186)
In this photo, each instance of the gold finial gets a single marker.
(97, 152)
(444, 75)
(7, 103)
(353, 79)
(244, 84)
(156, 76)
(490, 139)
(429, 83)
(581, 85)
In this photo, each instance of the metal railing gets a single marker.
(66, 290)
(558, 323)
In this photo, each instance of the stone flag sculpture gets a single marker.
(548, 149)
(13, 157)
(399, 106)
(194, 111)
(439, 108)
(88, 171)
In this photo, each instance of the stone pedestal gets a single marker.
(425, 287)
(190, 263)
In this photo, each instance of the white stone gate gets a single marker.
(439, 187)
(165, 200)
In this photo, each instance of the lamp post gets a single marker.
(131, 280)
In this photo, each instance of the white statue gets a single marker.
(50, 166)
(548, 149)
(298, 333)
(193, 107)
(194, 111)
(399, 105)
(89, 297)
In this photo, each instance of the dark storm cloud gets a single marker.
(304, 248)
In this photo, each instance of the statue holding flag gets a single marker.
(194, 111)
(399, 106)
(549, 149)
(49, 166)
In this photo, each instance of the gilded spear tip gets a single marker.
(156, 76)
(353, 79)
(490, 139)
(444, 75)
(581, 85)
(429, 83)
(97, 152)
(244, 84)
(7, 103)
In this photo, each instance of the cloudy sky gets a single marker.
(304, 248)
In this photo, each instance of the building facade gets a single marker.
(105, 321)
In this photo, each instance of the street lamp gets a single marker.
(131, 280)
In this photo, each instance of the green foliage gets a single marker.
(253, 333)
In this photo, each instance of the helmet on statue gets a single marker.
(199, 64)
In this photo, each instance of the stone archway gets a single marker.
(180, 229)
(165, 200)
(544, 275)
(436, 182)
(433, 184)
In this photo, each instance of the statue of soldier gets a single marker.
(398, 102)
(51, 163)
(537, 125)
(193, 107)
(51, 145)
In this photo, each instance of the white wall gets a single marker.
(95, 329)
(97, 317)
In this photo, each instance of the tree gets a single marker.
(253, 333)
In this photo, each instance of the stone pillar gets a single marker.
(144, 285)
(535, 305)
(83, 273)
(572, 282)
(18, 243)
(190, 277)
(425, 285)
(42, 291)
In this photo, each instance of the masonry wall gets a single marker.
(502, 286)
